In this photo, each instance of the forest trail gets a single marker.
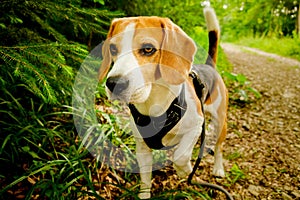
(264, 135)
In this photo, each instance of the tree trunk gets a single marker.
(298, 27)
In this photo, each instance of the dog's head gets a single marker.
(144, 50)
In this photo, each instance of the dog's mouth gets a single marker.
(141, 94)
(138, 95)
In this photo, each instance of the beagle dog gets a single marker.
(151, 60)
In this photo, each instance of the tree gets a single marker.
(257, 18)
(298, 21)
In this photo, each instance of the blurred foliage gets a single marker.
(187, 14)
(237, 18)
(258, 17)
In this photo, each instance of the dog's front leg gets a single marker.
(182, 160)
(183, 153)
(144, 158)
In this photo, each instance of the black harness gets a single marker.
(153, 129)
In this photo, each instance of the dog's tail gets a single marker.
(213, 35)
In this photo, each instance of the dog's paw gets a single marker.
(198, 180)
(219, 172)
(183, 172)
(144, 195)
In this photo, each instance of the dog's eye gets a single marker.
(147, 49)
(113, 49)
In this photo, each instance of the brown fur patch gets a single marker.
(213, 37)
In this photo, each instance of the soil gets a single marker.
(263, 141)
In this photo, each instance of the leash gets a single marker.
(199, 86)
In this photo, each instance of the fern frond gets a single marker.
(48, 28)
(39, 65)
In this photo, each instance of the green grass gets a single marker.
(236, 174)
(289, 47)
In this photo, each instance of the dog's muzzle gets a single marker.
(117, 84)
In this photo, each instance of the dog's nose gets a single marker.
(117, 84)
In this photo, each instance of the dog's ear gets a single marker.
(106, 61)
(106, 56)
(177, 53)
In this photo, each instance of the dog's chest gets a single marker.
(166, 131)
(154, 129)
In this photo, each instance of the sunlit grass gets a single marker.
(289, 47)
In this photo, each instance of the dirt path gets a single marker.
(264, 135)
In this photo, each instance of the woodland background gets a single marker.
(42, 46)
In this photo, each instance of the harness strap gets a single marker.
(199, 86)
